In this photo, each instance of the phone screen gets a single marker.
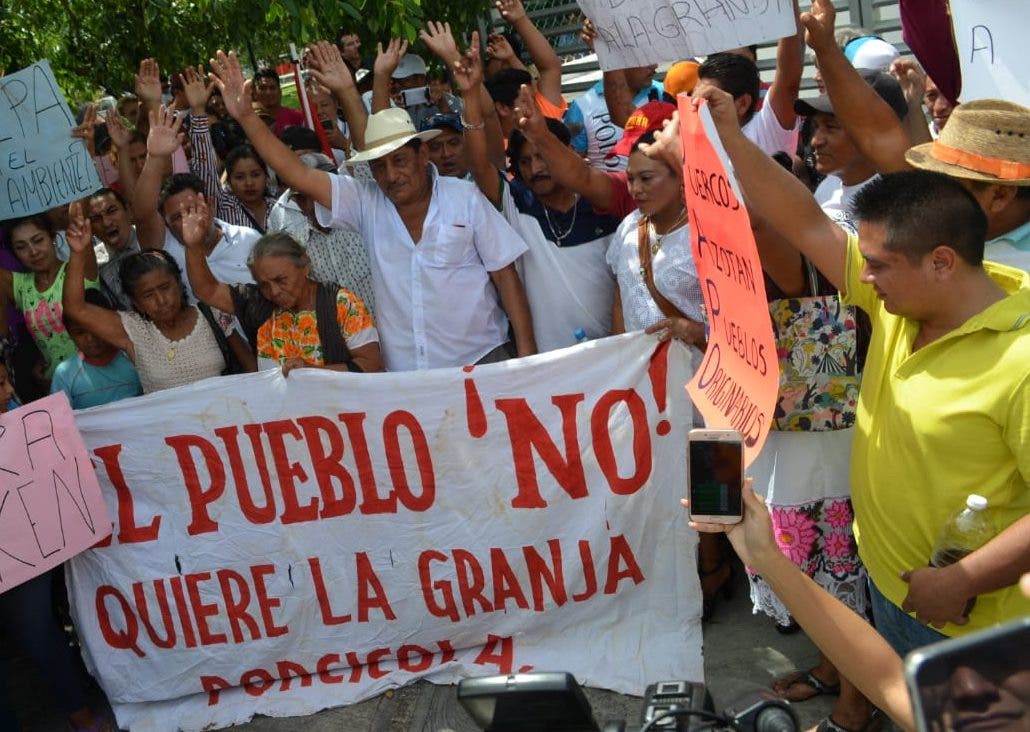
(978, 681)
(715, 477)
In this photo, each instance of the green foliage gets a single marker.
(94, 46)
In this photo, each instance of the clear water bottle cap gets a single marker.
(975, 502)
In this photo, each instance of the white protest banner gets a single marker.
(735, 386)
(286, 545)
(641, 32)
(51, 507)
(41, 164)
(990, 35)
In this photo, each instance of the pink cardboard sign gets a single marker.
(51, 507)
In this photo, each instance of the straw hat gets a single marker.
(389, 130)
(986, 140)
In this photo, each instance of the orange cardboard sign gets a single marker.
(736, 385)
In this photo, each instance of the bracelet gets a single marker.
(467, 126)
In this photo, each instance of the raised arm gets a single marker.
(387, 61)
(439, 40)
(196, 223)
(790, 62)
(547, 63)
(204, 161)
(162, 141)
(912, 79)
(777, 197)
(867, 119)
(101, 322)
(228, 76)
(121, 138)
(855, 648)
(468, 75)
(565, 165)
(331, 71)
(148, 90)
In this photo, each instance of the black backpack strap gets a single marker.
(334, 348)
(220, 337)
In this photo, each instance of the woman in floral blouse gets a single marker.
(291, 320)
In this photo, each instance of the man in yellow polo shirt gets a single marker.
(944, 408)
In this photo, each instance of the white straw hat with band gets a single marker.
(389, 130)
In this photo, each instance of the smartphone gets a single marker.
(978, 681)
(414, 97)
(716, 475)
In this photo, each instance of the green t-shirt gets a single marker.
(44, 316)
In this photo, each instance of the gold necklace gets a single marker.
(656, 244)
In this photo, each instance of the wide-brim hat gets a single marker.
(389, 130)
(986, 140)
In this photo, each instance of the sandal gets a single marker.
(871, 725)
(819, 688)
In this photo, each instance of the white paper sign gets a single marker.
(990, 35)
(642, 32)
(284, 545)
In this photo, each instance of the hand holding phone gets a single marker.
(716, 476)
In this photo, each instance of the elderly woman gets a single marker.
(289, 319)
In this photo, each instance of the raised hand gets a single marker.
(819, 26)
(116, 128)
(497, 47)
(86, 131)
(328, 67)
(196, 90)
(196, 223)
(148, 82)
(667, 145)
(468, 69)
(79, 234)
(588, 34)
(528, 116)
(439, 39)
(227, 75)
(912, 78)
(721, 106)
(388, 59)
(511, 10)
(163, 138)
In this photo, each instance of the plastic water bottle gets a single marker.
(964, 533)
(580, 335)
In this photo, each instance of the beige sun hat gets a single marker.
(985, 140)
(389, 130)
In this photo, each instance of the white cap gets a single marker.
(975, 502)
(411, 65)
(870, 53)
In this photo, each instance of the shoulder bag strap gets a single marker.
(646, 272)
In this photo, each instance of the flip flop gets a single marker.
(873, 723)
(807, 678)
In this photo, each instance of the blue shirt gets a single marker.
(90, 386)
(593, 132)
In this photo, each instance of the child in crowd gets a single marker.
(99, 373)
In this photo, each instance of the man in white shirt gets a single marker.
(443, 261)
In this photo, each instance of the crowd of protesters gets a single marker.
(463, 211)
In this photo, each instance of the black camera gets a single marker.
(554, 702)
